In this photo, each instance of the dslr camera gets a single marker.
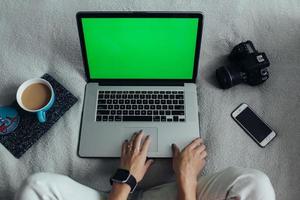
(247, 65)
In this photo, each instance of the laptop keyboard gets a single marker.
(147, 106)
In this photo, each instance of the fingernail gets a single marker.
(173, 145)
(126, 140)
(141, 130)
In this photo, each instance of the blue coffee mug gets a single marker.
(41, 113)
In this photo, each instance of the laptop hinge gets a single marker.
(134, 83)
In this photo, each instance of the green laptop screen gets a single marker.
(140, 48)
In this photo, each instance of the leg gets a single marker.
(42, 186)
(235, 183)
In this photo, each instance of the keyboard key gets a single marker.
(166, 96)
(181, 120)
(163, 101)
(179, 107)
(119, 112)
(156, 118)
(122, 107)
(161, 92)
(175, 101)
(146, 107)
(145, 101)
(121, 101)
(111, 118)
(118, 118)
(103, 112)
(169, 120)
(137, 112)
(137, 118)
(133, 101)
(112, 96)
(101, 101)
(149, 92)
(172, 96)
(100, 96)
(155, 112)
(179, 96)
(113, 92)
(136, 96)
(158, 107)
(106, 92)
(175, 118)
(152, 107)
(169, 101)
(171, 107)
(131, 92)
(128, 107)
(144, 92)
(178, 112)
(113, 112)
(127, 101)
(163, 118)
(101, 92)
(161, 112)
(139, 101)
(104, 118)
(149, 112)
(157, 101)
(168, 112)
(168, 92)
(110, 107)
(98, 118)
(130, 96)
(106, 96)
(124, 96)
(116, 107)
(148, 96)
(109, 101)
(181, 102)
(142, 96)
(119, 92)
(143, 112)
(115, 101)
(180, 92)
(154, 96)
(118, 96)
(159, 96)
(156, 92)
(164, 107)
(151, 101)
(174, 92)
(131, 112)
(101, 107)
(134, 107)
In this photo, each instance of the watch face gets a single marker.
(121, 175)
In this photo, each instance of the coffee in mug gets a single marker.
(36, 96)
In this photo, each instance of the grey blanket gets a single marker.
(39, 36)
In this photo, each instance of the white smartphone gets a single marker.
(256, 128)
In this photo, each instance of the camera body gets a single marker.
(248, 66)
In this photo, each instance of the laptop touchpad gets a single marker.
(151, 131)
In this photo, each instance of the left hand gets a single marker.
(134, 155)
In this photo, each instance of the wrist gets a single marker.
(187, 186)
(120, 191)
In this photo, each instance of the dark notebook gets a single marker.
(30, 129)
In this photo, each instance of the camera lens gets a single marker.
(228, 77)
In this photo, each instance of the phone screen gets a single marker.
(253, 124)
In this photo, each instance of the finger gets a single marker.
(200, 148)
(148, 164)
(124, 147)
(196, 142)
(137, 141)
(146, 145)
(133, 137)
(203, 155)
(175, 150)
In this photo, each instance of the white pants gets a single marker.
(231, 183)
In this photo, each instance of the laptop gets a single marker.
(141, 69)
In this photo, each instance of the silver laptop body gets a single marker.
(115, 108)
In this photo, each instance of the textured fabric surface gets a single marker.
(38, 36)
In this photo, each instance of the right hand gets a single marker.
(189, 162)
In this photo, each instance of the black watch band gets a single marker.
(123, 176)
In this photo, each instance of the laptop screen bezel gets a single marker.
(89, 14)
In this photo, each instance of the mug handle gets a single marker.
(41, 116)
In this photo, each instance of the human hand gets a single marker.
(134, 155)
(188, 163)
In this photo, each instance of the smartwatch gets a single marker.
(123, 176)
